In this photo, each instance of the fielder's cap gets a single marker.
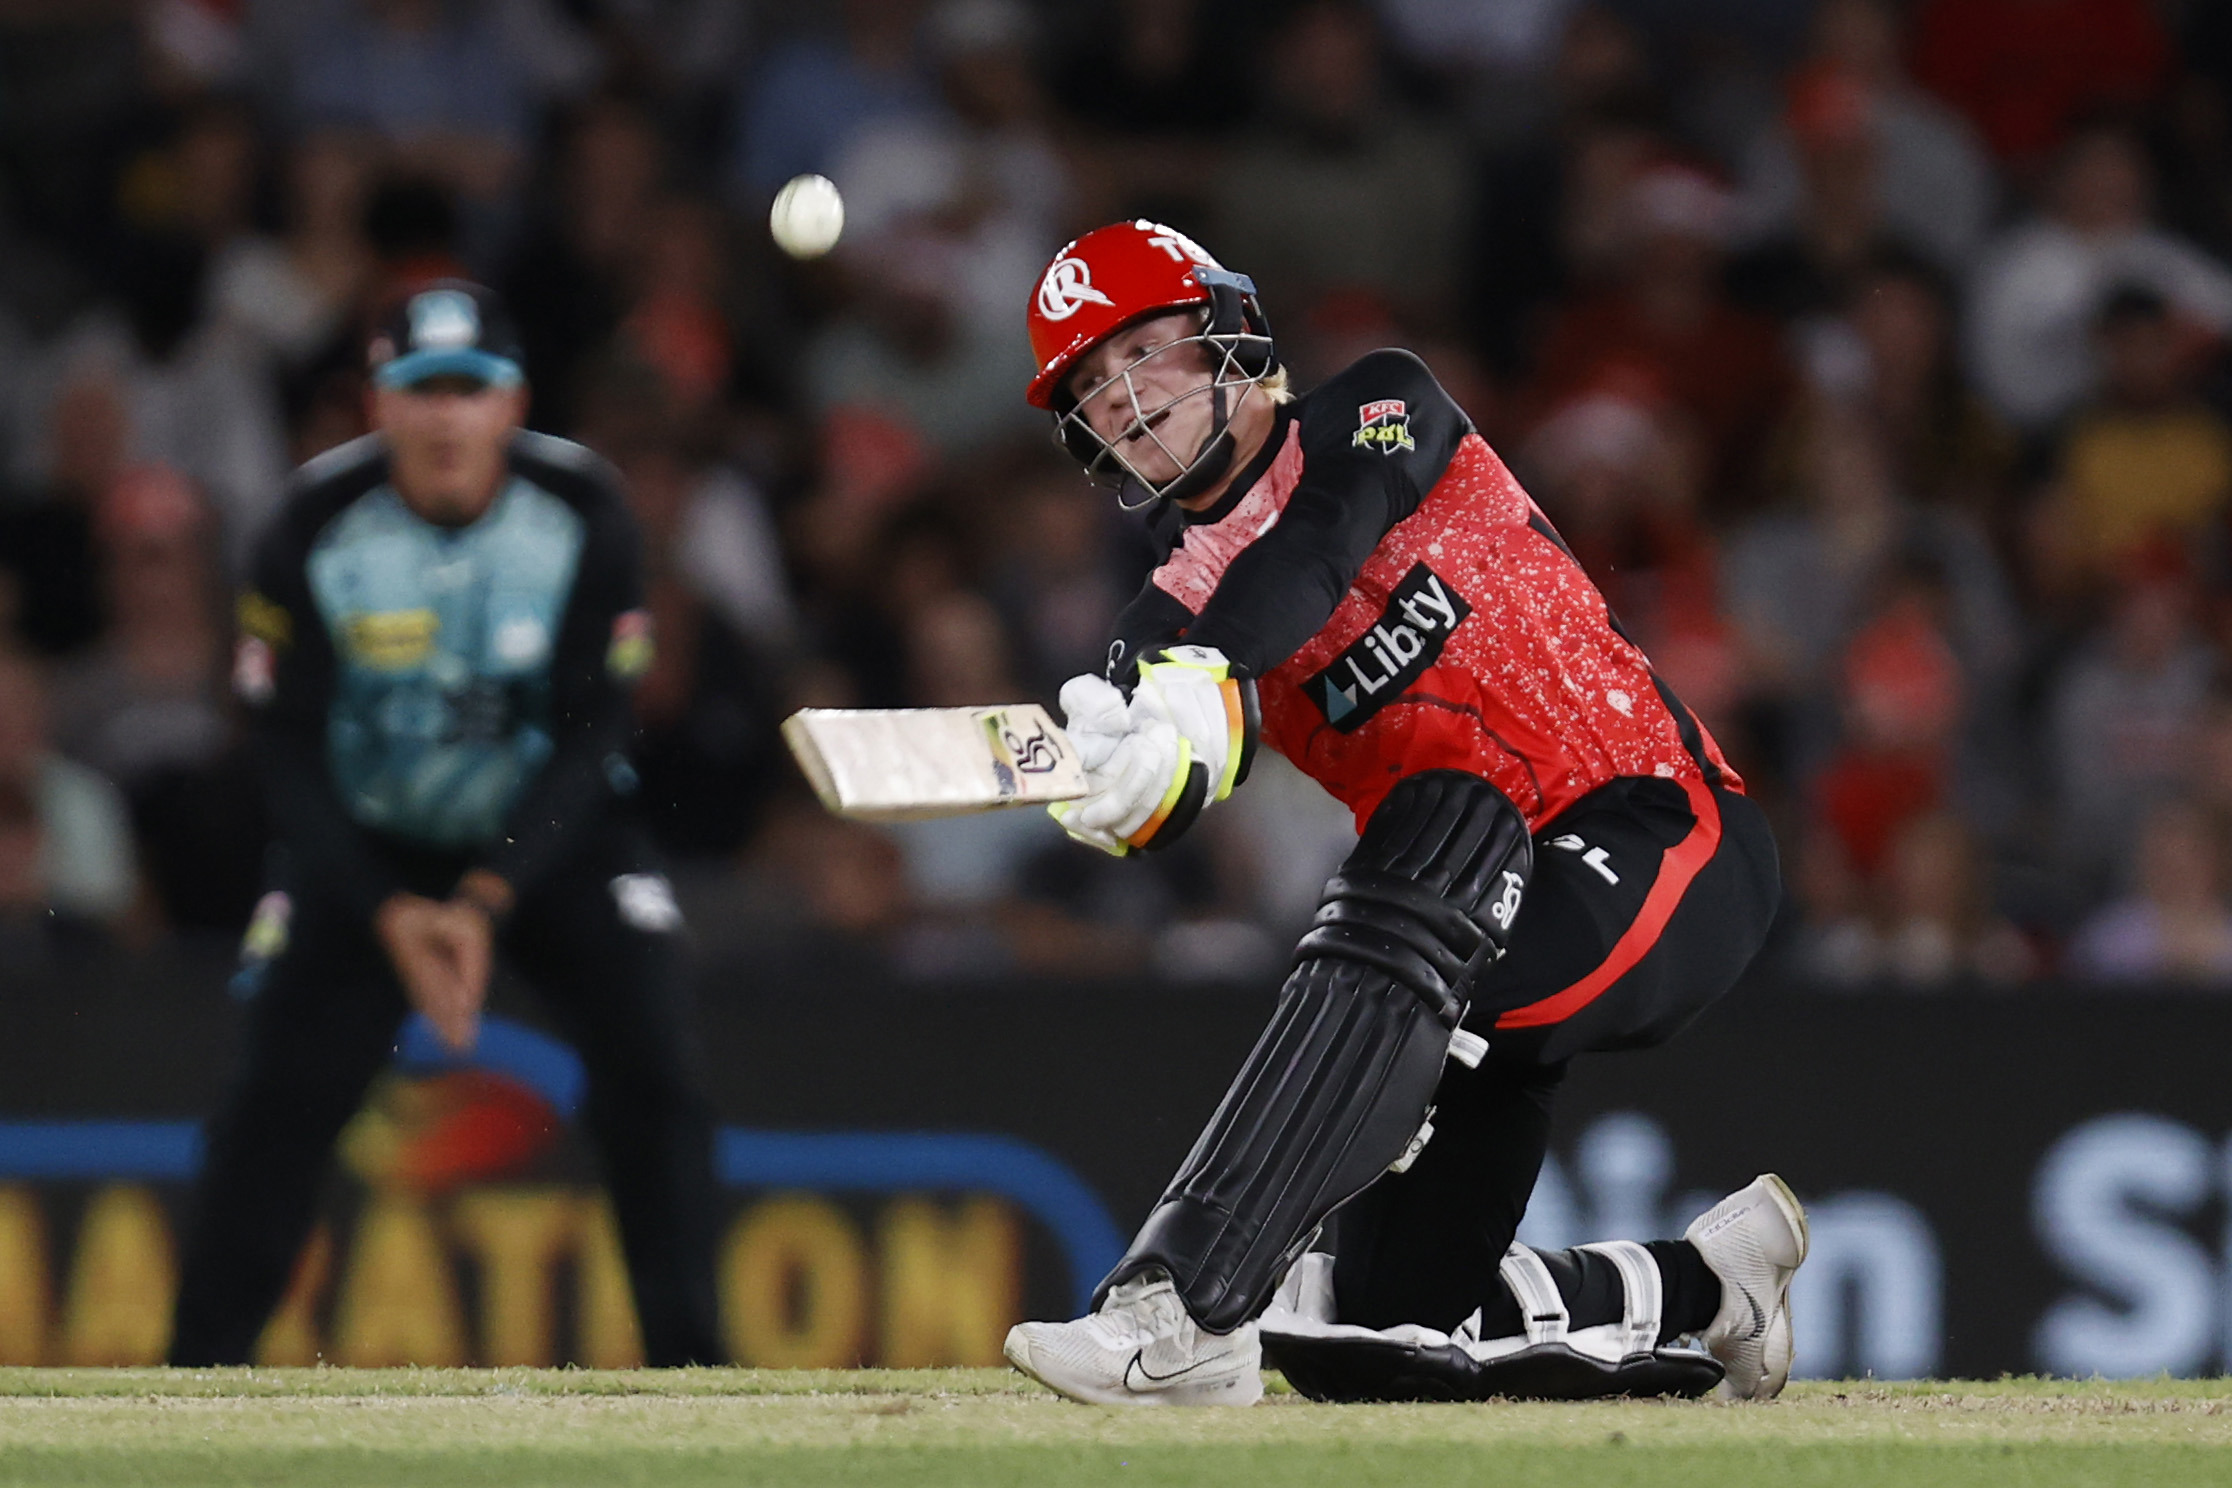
(450, 328)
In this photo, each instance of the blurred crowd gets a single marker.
(1870, 354)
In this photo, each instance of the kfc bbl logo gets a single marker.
(1384, 426)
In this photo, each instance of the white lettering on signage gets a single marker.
(1870, 1296)
(2106, 1202)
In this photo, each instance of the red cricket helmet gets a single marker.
(1112, 276)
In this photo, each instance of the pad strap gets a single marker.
(1539, 1302)
(1643, 1292)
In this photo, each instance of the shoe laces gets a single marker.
(1141, 1309)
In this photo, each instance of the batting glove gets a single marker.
(1143, 785)
(1197, 691)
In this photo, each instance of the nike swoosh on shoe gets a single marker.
(1759, 1319)
(1138, 1363)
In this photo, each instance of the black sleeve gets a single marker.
(597, 658)
(1375, 439)
(285, 676)
(1153, 618)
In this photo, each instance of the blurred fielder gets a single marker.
(443, 626)
(1554, 858)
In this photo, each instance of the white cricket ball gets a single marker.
(807, 217)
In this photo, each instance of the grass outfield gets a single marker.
(554, 1429)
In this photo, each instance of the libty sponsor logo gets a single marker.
(1405, 640)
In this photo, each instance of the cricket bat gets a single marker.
(914, 764)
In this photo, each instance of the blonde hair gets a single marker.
(1276, 385)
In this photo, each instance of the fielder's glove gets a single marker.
(1198, 692)
(1144, 785)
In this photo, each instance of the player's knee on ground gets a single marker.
(1339, 1086)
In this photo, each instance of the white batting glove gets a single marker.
(1136, 769)
(1195, 691)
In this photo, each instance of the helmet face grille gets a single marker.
(1235, 361)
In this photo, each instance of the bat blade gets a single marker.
(916, 764)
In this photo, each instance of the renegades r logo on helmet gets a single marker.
(1383, 425)
(1381, 663)
(1067, 286)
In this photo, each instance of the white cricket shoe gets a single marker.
(1754, 1241)
(1141, 1349)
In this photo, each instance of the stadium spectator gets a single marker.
(1800, 583)
(1620, 479)
(1808, 262)
(413, 227)
(2149, 461)
(1931, 182)
(46, 528)
(1902, 699)
(686, 54)
(195, 390)
(2208, 774)
(2024, 70)
(1337, 189)
(708, 706)
(1494, 61)
(1060, 579)
(1666, 324)
(2036, 291)
(709, 523)
(1927, 924)
(938, 253)
(451, 91)
(1150, 89)
(301, 297)
(815, 90)
(2124, 713)
(1946, 446)
(909, 350)
(979, 188)
(570, 276)
(957, 655)
(83, 866)
(2194, 137)
(1551, 212)
(2174, 924)
(204, 184)
(676, 322)
(23, 900)
(149, 695)
(146, 704)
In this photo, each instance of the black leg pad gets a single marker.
(1341, 1082)
(1332, 1095)
(1371, 1369)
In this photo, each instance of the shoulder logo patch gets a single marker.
(1384, 425)
(1395, 652)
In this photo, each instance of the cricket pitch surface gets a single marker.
(429, 1428)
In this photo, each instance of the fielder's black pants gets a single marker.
(1647, 902)
(326, 1022)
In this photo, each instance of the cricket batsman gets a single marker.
(1554, 858)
